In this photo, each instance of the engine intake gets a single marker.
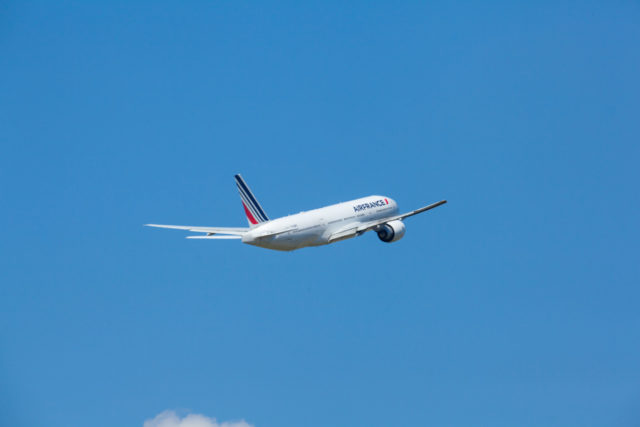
(392, 231)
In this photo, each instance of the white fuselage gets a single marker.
(315, 227)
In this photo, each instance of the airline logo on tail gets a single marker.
(252, 209)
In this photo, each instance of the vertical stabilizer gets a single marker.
(252, 209)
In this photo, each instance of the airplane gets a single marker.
(317, 227)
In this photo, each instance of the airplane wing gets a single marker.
(371, 225)
(417, 211)
(234, 231)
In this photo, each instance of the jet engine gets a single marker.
(392, 231)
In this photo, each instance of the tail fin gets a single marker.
(253, 210)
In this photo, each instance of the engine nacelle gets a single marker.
(392, 231)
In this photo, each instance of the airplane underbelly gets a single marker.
(276, 243)
(295, 240)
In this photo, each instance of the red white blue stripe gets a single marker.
(253, 210)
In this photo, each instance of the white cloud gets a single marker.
(171, 419)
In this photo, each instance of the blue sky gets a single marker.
(514, 304)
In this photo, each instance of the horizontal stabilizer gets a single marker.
(217, 236)
(238, 231)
